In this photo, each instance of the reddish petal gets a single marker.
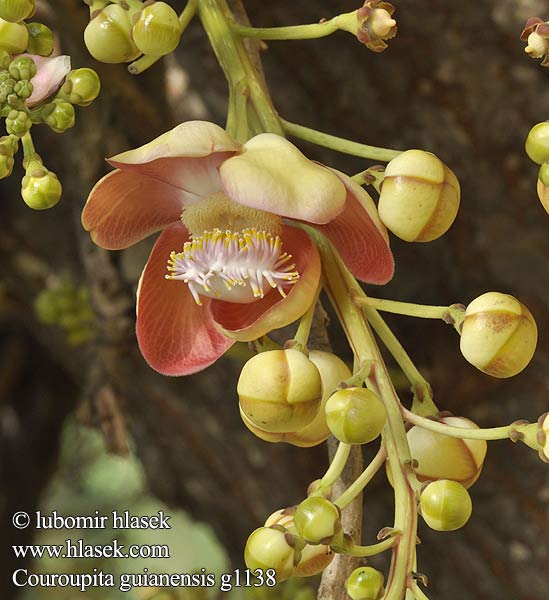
(124, 208)
(245, 322)
(360, 237)
(176, 337)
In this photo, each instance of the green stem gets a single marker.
(29, 152)
(339, 144)
(417, 591)
(356, 550)
(372, 176)
(336, 467)
(362, 481)
(423, 396)
(303, 331)
(293, 32)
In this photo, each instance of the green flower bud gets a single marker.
(365, 583)
(355, 415)
(537, 143)
(108, 38)
(18, 122)
(8, 147)
(445, 505)
(23, 89)
(62, 117)
(7, 87)
(271, 548)
(40, 39)
(419, 196)
(5, 59)
(280, 390)
(14, 37)
(543, 194)
(16, 10)
(499, 335)
(22, 68)
(543, 174)
(40, 188)
(157, 31)
(81, 87)
(317, 520)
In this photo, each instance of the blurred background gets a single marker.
(86, 425)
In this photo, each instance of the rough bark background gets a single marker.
(456, 82)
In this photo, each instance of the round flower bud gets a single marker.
(543, 173)
(40, 39)
(62, 117)
(355, 415)
(543, 437)
(537, 143)
(157, 31)
(445, 505)
(280, 390)
(107, 36)
(6, 157)
(81, 87)
(14, 37)
(22, 68)
(499, 335)
(365, 583)
(23, 89)
(419, 196)
(317, 520)
(543, 194)
(40, 188)
(440, 456)
(16, 10)
(18, 122)
(271, 548)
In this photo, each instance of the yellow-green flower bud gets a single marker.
(40, 188)
(280, 390)
(108, 38)
(16, 10)
(543, 194)
(18, 122)
(537, 143)
(543, 437)
(8, 147)
(81, 87)
(365, 583)
(5, 59)
(157, 30)
(543, 173)
(355, 415)
(23, 89)
(419, 197)
(40, 39)
(499, 335)
(62, 117)
(445, 505)
(22, 68)
(317, 520)
(14, 37)
(441, 456)
(271, 548)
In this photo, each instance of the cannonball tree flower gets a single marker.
(231, 262)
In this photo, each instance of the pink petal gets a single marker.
(49, 76)
(360, 237)
(187, 157)
(123, 208)
(245, 322)
(175, 335)
(271, 174)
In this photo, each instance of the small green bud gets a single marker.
(40, 188)
(7, 87)
(365, 583)
(157, 31)
(5, 59)
(8, 147)
(18, 122)
(271, 548)
(40, 39)
(537, 143)
(23, 89)
(16, 10)
(445, 505)
(81, 87)
(108, 38)
(22, 68)
(317, 520)
(355, 415)
(62, 117)
(14, 37)
(543, 174)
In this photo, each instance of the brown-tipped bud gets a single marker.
(445, 505)
(536, 36)
(499, 335)
(280, 391)
(270, 548)
(419, 197)
(376, 24)
(365, 583)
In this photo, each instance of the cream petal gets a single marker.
(50, 73)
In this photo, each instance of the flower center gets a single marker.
(233, 266)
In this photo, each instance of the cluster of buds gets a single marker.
(121, 32)
(17, 36)
(372, 24)
(536, 36)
